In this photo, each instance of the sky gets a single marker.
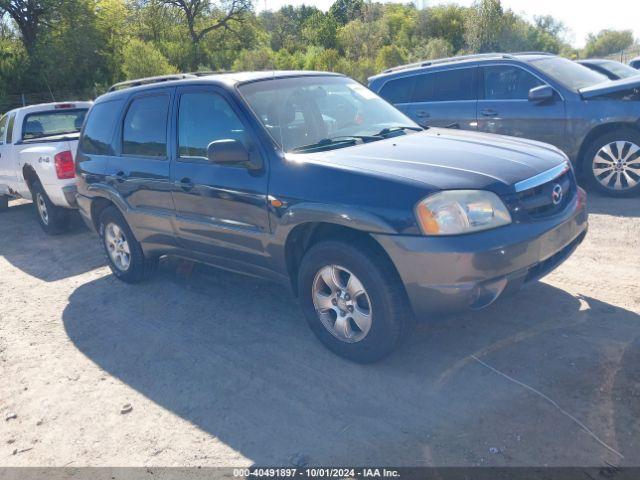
(581, 17)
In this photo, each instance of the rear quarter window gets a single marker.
(399, 90)
(98, 131)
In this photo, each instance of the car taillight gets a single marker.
(64, 165)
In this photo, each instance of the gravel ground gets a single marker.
(219, 369)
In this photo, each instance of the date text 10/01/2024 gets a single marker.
(316, 472)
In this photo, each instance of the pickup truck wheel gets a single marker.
(4, 202)
(124, 253)
(53, 219)
(353, 300)
(612, 163)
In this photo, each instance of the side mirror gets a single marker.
(541, 94)
(232, 152)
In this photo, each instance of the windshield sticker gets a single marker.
(364, 92)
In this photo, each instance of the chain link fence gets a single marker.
(625, 56)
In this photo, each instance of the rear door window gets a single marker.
(446, 86)
(507, 82)
(144, 133)
(98, 132)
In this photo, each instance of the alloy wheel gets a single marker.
(342, 303)
(42, 208)
(117, 247)
(616, 165)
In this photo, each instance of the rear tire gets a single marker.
(124, 253)
(611, 163)
(4, 202)
(53, 219)
(363, 327)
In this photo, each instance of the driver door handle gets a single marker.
(118, 177)
(185, 184)
(489, 112)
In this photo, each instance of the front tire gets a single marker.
(53, 219)
(124, 253)
(353, 300)
(612, 163)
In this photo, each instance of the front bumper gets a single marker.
(457, 273)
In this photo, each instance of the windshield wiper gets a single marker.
(387, 130)
(330, 141)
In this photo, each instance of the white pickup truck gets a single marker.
(37, 159)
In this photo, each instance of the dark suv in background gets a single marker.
(313, 180)
(595, 121)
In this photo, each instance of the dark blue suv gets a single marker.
(313, 180)
(595, 121)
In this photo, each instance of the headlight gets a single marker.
(452, 212)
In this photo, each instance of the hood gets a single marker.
(631, 84)
(447, 159)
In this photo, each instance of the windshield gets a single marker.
(570, 74)
(55, 122)
(620, 70)
(321, 112)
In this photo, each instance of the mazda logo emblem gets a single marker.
(556, 194)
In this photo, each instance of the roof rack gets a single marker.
(533, 53)
(473, 56)
(150, 80)
(426, 63)
(206, 73)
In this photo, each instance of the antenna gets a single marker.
(48, 87)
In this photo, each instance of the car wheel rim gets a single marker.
(342, 303)
(117, 247)
(42, 208)
(616, 165)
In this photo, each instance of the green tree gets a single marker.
(321, 29)
(28, 16)
(327, 60)
(144, 60)
(390, 56)
(262, 59)
(484, 26)
(360, 39)
(607, 42)
(433, 48)
(202, 17)
(345, 11)
(443, 21)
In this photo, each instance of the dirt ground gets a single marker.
(220, 369)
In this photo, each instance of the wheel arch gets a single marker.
(99, 205)
(305, 235)
(30, 176)
(600, 130)
(102, 197)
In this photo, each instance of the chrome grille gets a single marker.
(539, 201)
